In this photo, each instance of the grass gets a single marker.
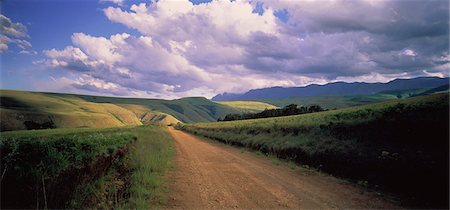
(22, 110)
(344, 101)
(35, 164)
(84, 168)
(250, 106)
(59, 111)
(149, 161)
(394, 145)
(188, 110)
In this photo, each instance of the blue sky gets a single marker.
(171, 49)
(50, 24)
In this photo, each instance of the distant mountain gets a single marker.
(336, 88)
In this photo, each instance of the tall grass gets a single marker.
(84, 168)
(399, 146)
(149, 160)
(40, 170)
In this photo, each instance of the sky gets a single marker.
(179, 48)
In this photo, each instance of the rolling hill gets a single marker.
(250, 106)
(34, 110)
(336, 88)
(344, 101)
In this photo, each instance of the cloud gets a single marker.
(27, 52)
(118, 2)
(377, 29)
(8, 27)
(15, 33)
(4, 40)
(186, 49)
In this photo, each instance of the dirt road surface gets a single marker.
(213, 176)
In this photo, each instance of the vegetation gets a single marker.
(188, 110)
(345, 101)
(83, 168)
(291, 109)
(399, 146)
(21, 110)
(248, 106)
(149, 160)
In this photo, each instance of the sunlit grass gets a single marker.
(36, 162)
(149, 160)
(254, 106)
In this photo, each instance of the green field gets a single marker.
(250, 106)
(84, 168)
(399, 146)
(344, 101)
(24, 110)
(21, 110)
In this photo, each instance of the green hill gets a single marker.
(399, 146)
(250, 106)
(22, 110)
(344, 101)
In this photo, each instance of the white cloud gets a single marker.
(100, 48)
(118, 2)
(185, 49)
(217, 17)
(14, 32)
(22, 44)
(435, 74)
(409, 52)
(27, 52)
(8, 27)
(373, 77)
(4, 40)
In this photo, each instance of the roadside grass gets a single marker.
(392, 146)
(84, 168)
(41, 170)
(149, 160)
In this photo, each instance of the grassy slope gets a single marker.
(80, 168)
(193, 109)
(400, 145)
(344, 101)
(70, 111)
(64, 111)
(251, 106)
(147, 116)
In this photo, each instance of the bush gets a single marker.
(41, 169)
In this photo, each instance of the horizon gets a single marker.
(122, 48)
(224, 93)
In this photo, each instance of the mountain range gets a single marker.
(335, 88)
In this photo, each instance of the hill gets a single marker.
(343, 101)
(250, 106)
(33, 110)
(336, 88)
(398, 146)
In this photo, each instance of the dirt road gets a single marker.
(209, 175)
